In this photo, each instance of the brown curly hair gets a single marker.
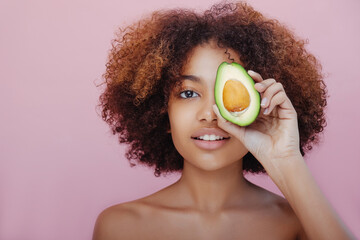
(146, 60)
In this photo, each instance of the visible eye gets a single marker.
(188, 94)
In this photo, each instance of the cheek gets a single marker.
(181, 117)
(237, 149)
(177, 123)
(237, 146)
(182, 125)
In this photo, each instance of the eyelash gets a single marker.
(183, 94)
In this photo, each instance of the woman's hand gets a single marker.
(274, 136)
(274, 140)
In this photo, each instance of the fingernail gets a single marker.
(263, 102)
(251, 71)
(266, 110)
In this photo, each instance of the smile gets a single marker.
(211, 137)
(214, 144)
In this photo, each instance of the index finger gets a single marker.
(257, 79)
(256, 76)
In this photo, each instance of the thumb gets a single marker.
(229, 127)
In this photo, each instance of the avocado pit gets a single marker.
(236, 97)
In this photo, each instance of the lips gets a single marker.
(210, 138)
(210, 131)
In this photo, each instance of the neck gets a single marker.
(213, 191)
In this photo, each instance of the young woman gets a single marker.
(159, 99)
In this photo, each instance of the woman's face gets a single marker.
(192, 117)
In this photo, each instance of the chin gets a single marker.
(212, 164)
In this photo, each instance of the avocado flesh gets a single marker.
(242, 111)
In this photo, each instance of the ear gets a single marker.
(163, 110)
(168, 122)
(168, 129)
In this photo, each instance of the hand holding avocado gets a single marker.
(274, 134)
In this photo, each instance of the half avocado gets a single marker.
(237, 99)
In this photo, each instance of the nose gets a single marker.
(206, 112)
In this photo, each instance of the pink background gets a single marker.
(59, 163)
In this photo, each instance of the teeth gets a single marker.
(211, 137)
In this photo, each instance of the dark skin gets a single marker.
(263, 216)
(212, 199)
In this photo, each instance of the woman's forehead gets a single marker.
(204, 59)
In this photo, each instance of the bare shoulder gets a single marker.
(282, 213)
(122, 221)
(118, 221)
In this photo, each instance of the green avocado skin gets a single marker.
(235, 71)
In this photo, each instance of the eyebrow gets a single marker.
(190, 77)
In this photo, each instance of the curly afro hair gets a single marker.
(145, 63)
